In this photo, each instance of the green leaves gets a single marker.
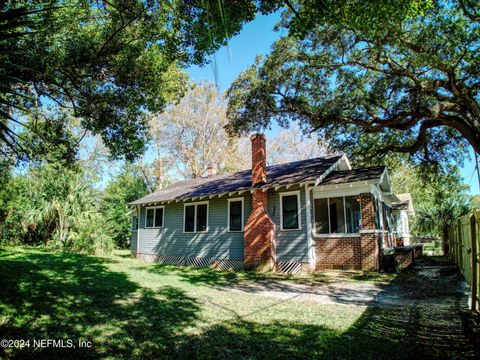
(374, 18)
(109, 63)
(128, 186)
(56, 206)
(404, 81)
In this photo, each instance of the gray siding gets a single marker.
(291, 245)
(133, 242)
(216, 243)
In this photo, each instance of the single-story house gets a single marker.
(300, 216)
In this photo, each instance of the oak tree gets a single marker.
(410, 85)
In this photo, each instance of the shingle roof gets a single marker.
(282, 174)
(354, 175)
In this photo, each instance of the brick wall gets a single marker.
(368, 211)
(360, 252)
(338, 253)
(259, 234)
(370, 251)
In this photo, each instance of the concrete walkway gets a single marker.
(344, 293)
(436, 284)
(427, 305)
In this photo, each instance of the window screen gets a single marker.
(235, 215)
(337, 218)
(290, 212)
(190, 218)
(321, 216)
(352, 210)
(150, 215)
(159, 217)
(202, 217)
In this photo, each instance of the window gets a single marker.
(337, 215)
(190, 218)
(321, 216)
(154, 218)
(337, 220)
(352, 211)
(196, 217)
(290, 210)
(150, 215)
(135, 223)
(235, 214)
(202, 217)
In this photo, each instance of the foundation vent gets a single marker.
(224, 264)
(198, 262)
(289, 267)
(228, 265)
(171, 260)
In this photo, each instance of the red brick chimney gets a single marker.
(259, 235)
(259, 160)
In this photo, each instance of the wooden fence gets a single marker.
(465, 251)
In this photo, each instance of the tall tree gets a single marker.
(412, 87)
(439, 198)
(192, 133)
(109, 62)
(128, 186)
(294, 144)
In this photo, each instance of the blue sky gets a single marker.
(257, 38)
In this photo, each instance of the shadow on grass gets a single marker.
(213, 277)
(418, 330)
(66, 296)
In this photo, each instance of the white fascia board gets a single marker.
(343, 159)
(348, 189)
(386, 178)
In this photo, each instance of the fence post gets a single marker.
(474, 262)
(455, 242)
(460, 245)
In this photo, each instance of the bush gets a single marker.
(56, 206)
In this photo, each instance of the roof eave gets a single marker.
(333, 167)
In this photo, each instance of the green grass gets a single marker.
(130, 309)
(433, 248)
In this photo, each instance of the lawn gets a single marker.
(130, 309)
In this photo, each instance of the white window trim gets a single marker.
(195, 216)
(299, 209)
(330, 234)
(154, 216)
(228, 214)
